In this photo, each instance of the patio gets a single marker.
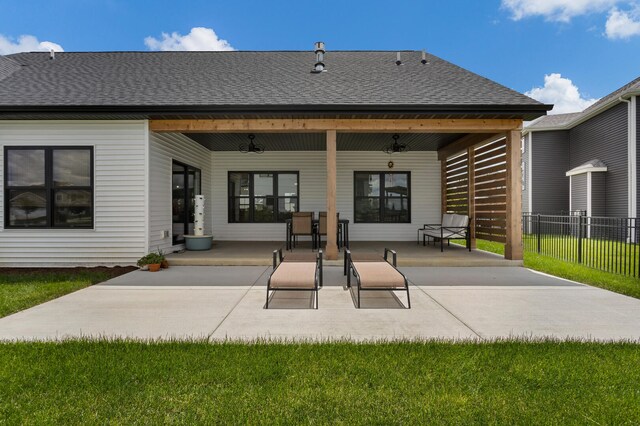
(258, 253)
(217, 303)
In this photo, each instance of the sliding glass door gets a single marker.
(185, 186)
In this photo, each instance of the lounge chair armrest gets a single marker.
(319, 266)
(277, 257)
(393, 254)
(432, 226)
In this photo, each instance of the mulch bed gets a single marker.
(112, 272)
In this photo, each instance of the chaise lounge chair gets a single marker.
(295, 272)
(375, 272)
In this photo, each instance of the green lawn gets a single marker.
(614, 282)
(21, 289)
(606, 255)
(337, 383)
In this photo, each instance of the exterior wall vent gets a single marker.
(320, 51)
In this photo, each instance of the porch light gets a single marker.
(396, 146)
(251, 147)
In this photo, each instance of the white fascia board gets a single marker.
(585, 170)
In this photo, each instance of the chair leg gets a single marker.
(316, 298)
(408, 299)
(441, 245)
(358, 296)
(267, 304)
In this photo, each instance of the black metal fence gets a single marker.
(609, 244)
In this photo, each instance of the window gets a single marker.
(262, 197)
(382, 197)
(48, 187)
(186, 184)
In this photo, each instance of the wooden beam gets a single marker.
(331, 251)
(312, 125)
(443, 188)
(465, 142)
(471, 195)
(513, 244)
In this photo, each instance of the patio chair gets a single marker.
(453, 227)
(374, 272)
(322, 228)
(302, 224)
(295, 272)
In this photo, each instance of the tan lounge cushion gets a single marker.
(294, 275)
(378, 274)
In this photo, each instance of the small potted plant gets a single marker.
(152, 261)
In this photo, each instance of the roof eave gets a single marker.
(524, 110)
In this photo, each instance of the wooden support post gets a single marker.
(443, 186)
(331, 251)
(471, 194)
(513, 246)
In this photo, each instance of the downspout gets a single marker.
(631, 152)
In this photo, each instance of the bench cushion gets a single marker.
(294, 275)
(378, 275)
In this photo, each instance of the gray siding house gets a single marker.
(585, 161)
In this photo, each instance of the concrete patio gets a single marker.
(227, 302)
(244, 253)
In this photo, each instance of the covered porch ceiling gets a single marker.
(317, 141)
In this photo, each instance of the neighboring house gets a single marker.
(585, 161)
(102, 152)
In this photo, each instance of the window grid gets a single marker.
(272, 200)
(49, 188)
(382, 214)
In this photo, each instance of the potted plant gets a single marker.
(152, 261)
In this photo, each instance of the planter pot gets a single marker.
(198, 242)
(154, 267)
(164, 264)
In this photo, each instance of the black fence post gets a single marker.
(538, 232)
(580, 238)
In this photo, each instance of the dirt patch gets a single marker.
(111, 272)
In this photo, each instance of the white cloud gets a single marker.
(561, 92)
(198, 39)
(556, 10)
(26, 43)
(623, 24)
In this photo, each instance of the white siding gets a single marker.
(425, 190)
(163, 148)
(120, 226)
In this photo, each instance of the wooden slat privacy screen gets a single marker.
(490, 192)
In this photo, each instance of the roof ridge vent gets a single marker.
(319, 51)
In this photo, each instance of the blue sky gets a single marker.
(593, 44)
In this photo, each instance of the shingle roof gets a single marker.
(629, 87)
(555, 120)
(237, 79)
(7, 67)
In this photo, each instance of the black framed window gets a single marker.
(48, 187)
(186, 183)
(382, 197)
(262, 197)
